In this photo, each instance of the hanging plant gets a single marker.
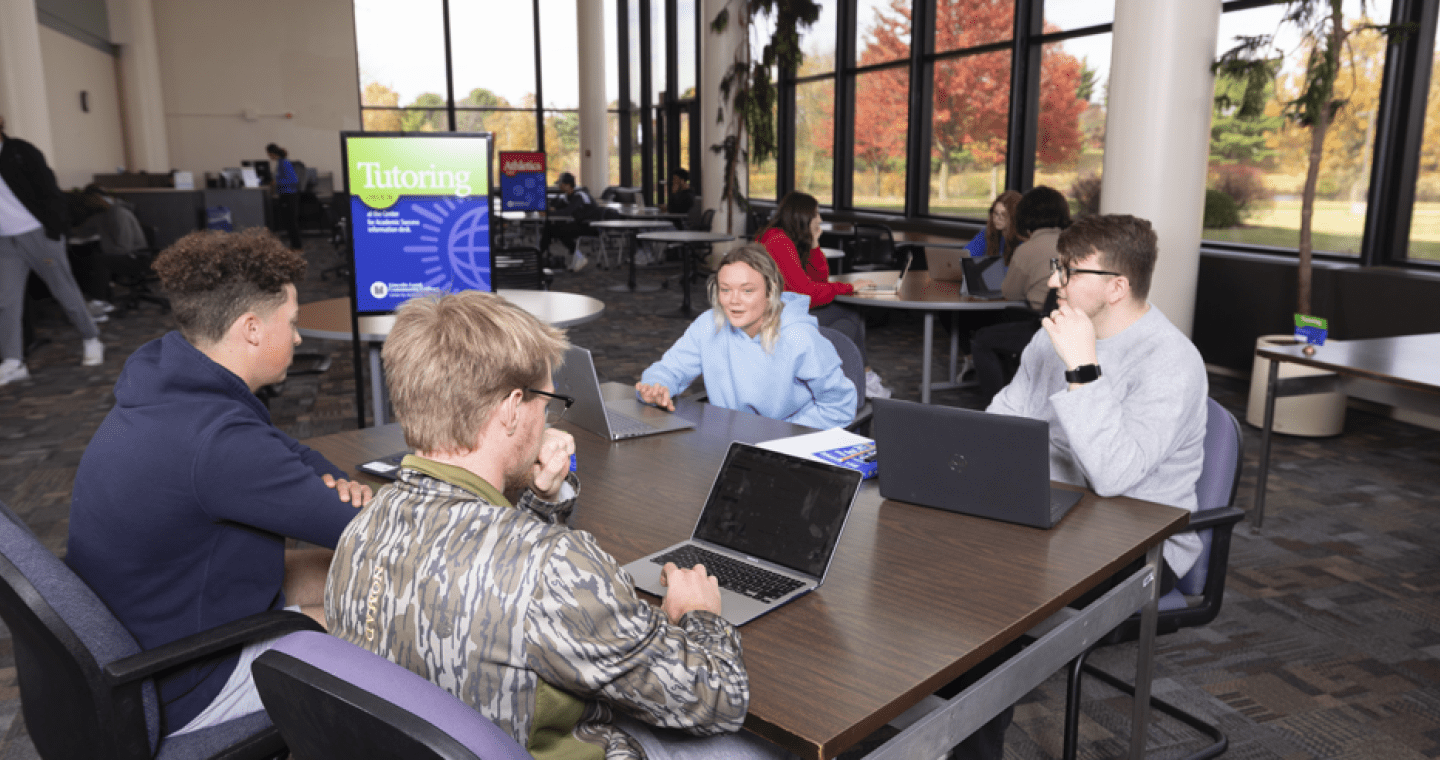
(747, 93)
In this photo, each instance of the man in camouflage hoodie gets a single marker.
(526, 620)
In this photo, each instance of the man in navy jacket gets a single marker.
(185, 495)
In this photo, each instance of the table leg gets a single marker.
(925, 365)
(630, 284)
(1145, 657)
(954, 348)
(1265, 430)
(686, 269)
(378, 395)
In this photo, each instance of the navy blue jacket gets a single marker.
(182, 503)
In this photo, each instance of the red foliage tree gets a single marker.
(971, 94)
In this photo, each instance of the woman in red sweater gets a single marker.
(794, 228)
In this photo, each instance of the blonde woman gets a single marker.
(759, 350)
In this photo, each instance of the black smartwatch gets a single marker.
(1085, 373)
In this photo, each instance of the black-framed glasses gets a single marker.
(556, 407)
(1065, 271)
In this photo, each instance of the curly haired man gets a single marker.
(185, 495)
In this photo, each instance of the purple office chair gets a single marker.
(330, 698)
(1197, 596)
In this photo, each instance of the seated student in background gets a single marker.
(571, 216)
(499, 601)
(681, 196)
(795, 228)
(999, 237)
(1123, 390)
(185, 495)
(759, 350)
(1040, 215)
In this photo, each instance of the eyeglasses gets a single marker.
(1065, 271)
(556, 407)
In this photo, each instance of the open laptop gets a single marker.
(974, 463)
(983, 276)
(887, 290)
(944, 263)
(768, 531)
(612, 420)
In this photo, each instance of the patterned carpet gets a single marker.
(1327, 646)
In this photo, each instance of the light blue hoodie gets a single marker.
(801, 382)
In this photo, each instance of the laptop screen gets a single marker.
(779, 508)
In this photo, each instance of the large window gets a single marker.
(1425, 213)
(1258, 166)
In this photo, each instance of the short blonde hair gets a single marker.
(756, 257)
(451, 359)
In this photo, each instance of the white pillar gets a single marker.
(594, 126)
(1157, 135)
(718, 54)
(132, 27)
(22, 77)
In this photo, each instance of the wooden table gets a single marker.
(686, 238)
(1402, 372)
(919, 292)
(915, 598)
(330, 320)
(629, 227)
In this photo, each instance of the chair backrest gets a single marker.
(330, 698)
(1219, 479)
(63, 637)
(851, 362)
(874, 244)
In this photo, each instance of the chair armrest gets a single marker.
(184, 651)
(1219, 517)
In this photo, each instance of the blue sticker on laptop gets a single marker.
(1312, 330)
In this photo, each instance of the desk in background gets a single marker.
(1402, 372)
(919, 292)
(175, 213)
(916, 597)
(330, 320)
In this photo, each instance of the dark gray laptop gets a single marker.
(768, 531)
(983, 276)
(612, 420)
(974, 463)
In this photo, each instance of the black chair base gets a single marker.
(1080, 668)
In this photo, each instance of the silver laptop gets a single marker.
(612, 420)
(887, 290)
(983, 276)
(945, 265)
(768, 531)
(974, 463)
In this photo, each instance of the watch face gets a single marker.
(1083, 374)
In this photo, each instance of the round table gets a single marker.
(330, 320)
(687, 238)
(629, 227)
(920, 293)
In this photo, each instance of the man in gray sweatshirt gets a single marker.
(1123, 389)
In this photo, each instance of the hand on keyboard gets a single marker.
(689, 589)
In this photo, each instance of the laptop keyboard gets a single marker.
(734, 575)
(622, 426)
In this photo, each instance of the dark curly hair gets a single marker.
(212, 278)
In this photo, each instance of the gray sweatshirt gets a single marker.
(1138, 431)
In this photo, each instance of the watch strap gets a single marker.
(1085, 373)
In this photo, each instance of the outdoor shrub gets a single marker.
(1244, 184)
(1085, 193)
(1220, 210)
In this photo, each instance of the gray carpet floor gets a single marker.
(1326, 648)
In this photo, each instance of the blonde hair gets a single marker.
(451, 359)
(757, 258)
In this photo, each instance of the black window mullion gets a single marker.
(622, 47)
(539, 90)
(922, 90)
(844, 128)
(1024, 96)
(785, 133)
(449, 67)
(647, 109)
(1399, 134)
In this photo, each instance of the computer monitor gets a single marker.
(419, 214)
(262, 169)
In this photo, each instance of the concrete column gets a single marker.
(22, 77)
(718, 53)
(594, 127)
(1157, 135)
(142, 102)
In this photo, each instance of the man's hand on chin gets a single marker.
(552, 464)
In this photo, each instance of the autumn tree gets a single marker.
(426, 114)
(376, 94)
